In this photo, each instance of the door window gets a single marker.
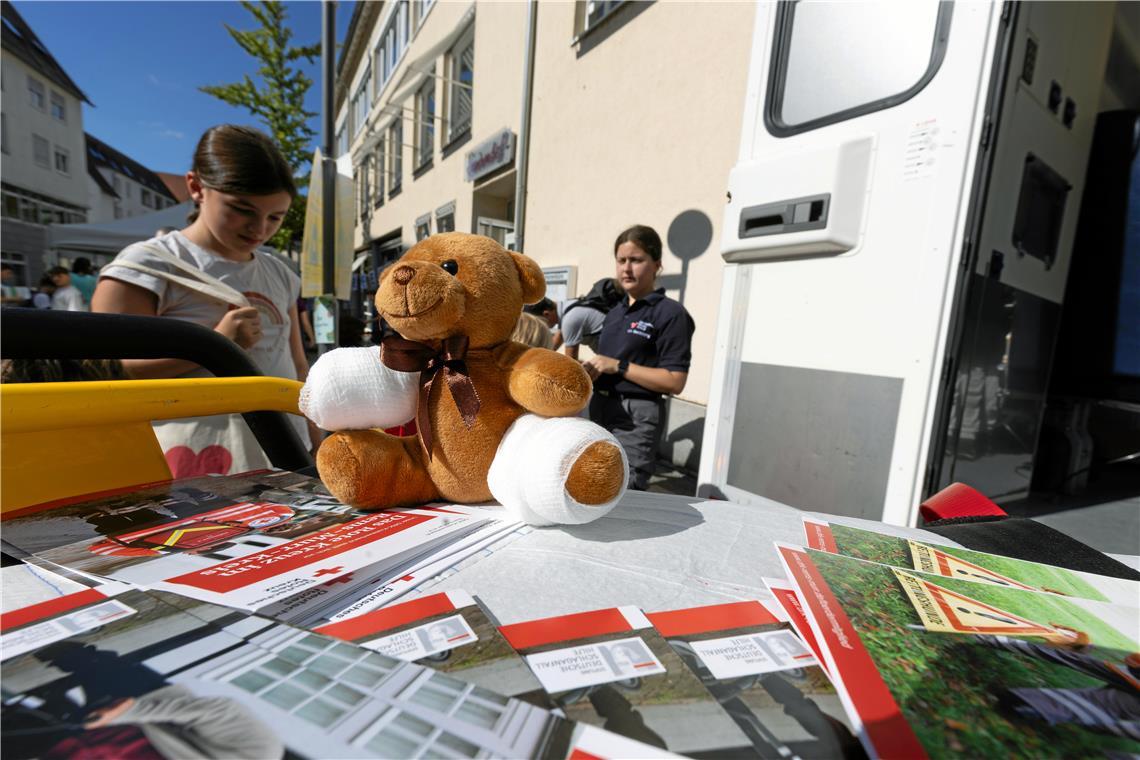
(836, 60)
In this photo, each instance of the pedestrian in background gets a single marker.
(644, 351)
(211, 273)
(66, 296)
(41, 299)
(83, 278)
(545, 310)
(580, 320)
(532, 331)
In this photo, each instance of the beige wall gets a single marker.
(638, 129)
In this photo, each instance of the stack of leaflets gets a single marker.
(939, 651)
(274, 543)
(113, 671)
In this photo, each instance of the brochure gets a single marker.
(222, 540)
(793, 612)
(449, 632)
(938, 667)
(967, 565)
(610, 668)
(124, 674)
(763, 676)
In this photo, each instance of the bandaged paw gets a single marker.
(349, 389)
(531, 466)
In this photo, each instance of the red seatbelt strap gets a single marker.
(958, 500)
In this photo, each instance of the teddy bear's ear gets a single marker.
(530, 277)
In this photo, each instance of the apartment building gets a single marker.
(41, 119)
(120, 187)
(635, 112)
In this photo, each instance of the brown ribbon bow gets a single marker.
(411, 356)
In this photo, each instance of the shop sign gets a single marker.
(491, 154)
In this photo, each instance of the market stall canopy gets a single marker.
(112, 237)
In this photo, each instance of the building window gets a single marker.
(420, 9)
(62, 160)
(423, 227)
(4, 132)
(461, 80)
(425, 121)
(341, 141)
(147, 198)
(396, 152)
(41, 151)
(364, 186)
(378, 173)
(445, 218)
(36, 95)
(361, 104)
(58, 106)
(594, 11)
(843, 47)
(391, 45)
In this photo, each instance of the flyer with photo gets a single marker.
(968, 565)
(793, 609)
(223, 540)
(930, 666)
(764, 677)
(610, 668)
(448, 632)
(149, 679)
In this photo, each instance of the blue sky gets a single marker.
(141, 64)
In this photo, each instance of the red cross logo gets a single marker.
(341, 579)
(328, 571)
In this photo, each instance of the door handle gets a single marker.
(793, 215)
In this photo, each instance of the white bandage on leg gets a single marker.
(349, 389)
(528, 474)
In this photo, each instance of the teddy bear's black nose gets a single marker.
(404, 275)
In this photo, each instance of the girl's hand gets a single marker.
(242, 326)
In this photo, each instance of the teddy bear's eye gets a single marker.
(450, 266)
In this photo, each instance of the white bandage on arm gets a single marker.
(350, 389)
(529, 472)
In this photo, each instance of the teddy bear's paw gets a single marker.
(598, 475)
(368, 469)
(350, 389)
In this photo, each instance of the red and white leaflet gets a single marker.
(388, 589)
(585, 663)
(410, 644)
(384, 538)
(873, 710)
(793, 613)
(27, 628)
(818, 534)
(591, 743)
(749, 653)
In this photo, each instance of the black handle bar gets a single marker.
(44, 334)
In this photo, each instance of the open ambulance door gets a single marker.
(853, 213)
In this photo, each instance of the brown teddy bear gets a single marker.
(496, 419)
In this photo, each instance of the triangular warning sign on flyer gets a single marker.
(945, 611)
(937, 562)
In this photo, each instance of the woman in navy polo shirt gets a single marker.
(643, 354)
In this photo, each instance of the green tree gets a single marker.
(278, 99)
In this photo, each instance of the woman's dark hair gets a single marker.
(645, 238)
(81, 265)
(240, 161)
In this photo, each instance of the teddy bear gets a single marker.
(495, 419)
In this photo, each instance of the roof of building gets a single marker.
(354, 46)
(19, 39)
(100, 153)
(176, 184)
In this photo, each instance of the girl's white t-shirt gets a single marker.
(266, 282)
(220, 444)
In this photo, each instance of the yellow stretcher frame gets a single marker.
(60, 440)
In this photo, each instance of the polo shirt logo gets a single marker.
(640, 327)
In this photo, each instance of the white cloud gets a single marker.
(172, 133)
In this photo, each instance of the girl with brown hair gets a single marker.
(212, 273)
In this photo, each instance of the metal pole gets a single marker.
(524, 124)
(328, 162)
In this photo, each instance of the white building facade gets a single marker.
(44, 175)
